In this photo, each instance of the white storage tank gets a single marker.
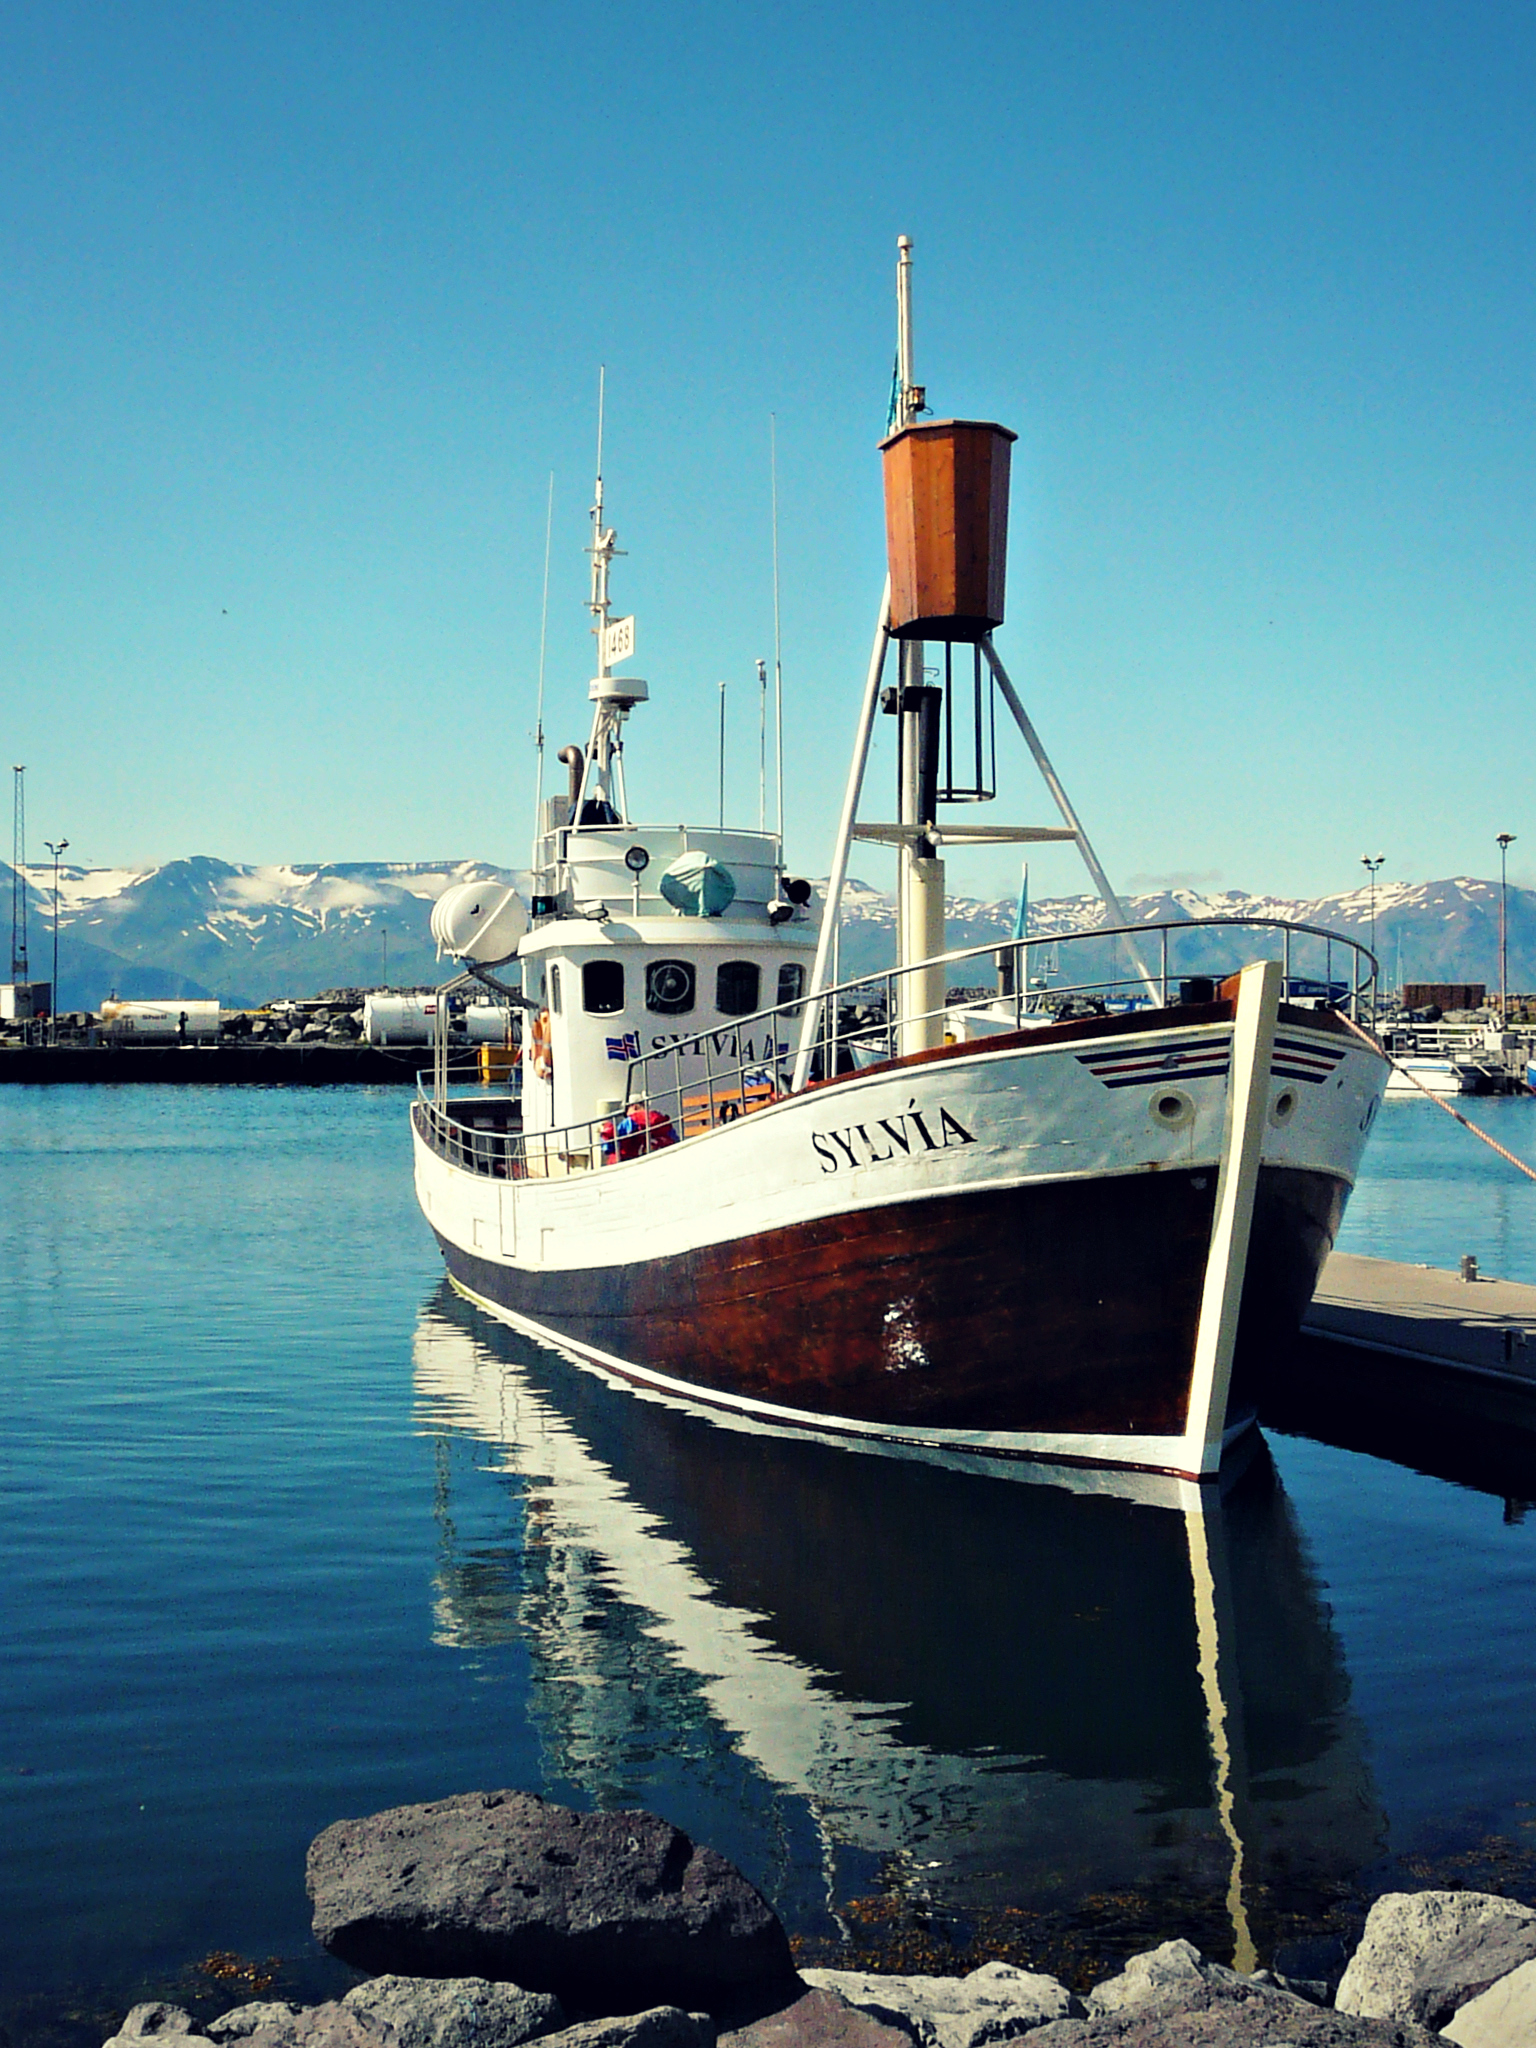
(161, 1023)
(488, 1024)
(399, 1020)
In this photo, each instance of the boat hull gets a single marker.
(992, 1291)
(910, 1318)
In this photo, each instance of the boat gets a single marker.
(1057, 1224)
(1429, 1074)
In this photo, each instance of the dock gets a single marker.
(1479, 1326)
(1416, 1365)
(231, 1061)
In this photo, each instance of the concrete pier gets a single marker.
(1481, 1327)
(232, 1061)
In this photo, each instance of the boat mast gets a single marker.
(602, 775)
(604, 542)
(538, 722)
(778, 644)
(920, 872)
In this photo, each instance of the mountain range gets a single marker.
(202, 927)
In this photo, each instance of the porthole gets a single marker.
(669, 987)
(1283, 1108)
(1172, 1108)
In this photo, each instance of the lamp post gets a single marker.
(1504, 841)
(1371, 862)
(53, 993)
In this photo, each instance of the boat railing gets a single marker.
(713, 1077)
(485, 1135)
(704, 1079)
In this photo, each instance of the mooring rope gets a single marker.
(1438, 1100)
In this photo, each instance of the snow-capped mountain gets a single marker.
(1425, 931)
(205, 927)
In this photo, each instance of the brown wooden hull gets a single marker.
(1064, 1306)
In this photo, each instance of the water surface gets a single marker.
(287, 1532)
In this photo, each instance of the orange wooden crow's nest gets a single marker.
(946, 528)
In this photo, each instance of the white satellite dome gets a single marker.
(480, 921)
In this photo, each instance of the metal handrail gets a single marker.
(733, 1084)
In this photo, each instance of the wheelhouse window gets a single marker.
(554, 988)
(791, 983)
(602, 987)
(669, 987)
(736, 987)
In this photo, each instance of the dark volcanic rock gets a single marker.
(1212, 2018)
(664, 2026)
(452, 2012)
(614, 1912)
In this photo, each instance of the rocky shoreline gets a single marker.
(494, 1919)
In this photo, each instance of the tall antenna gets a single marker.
(778, 649)
(762, 746)
(722, 757)
(603, 539)
(19, 968)
(538, 722)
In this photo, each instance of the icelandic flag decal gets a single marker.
(625, 1048)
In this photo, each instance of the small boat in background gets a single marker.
(1421, 1073)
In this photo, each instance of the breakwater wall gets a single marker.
(312, 1065)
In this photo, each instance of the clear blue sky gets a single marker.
(304, 303)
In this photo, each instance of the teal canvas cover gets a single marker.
(698, 885)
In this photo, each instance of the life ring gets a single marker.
(539, 1048)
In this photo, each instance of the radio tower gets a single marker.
(19, 968)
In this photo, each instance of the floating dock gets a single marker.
(1417, 1365)
(1422, 1313)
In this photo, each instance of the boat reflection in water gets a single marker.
(850, 1670)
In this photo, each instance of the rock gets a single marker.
(1171, 1973)
(1425, 1954)
(1214, 2018)
(1315, 1990)
(613, 1912)
(1503, 2016)
(819, 2018)
(663, 2026)
(157, 2021)
(144, 2021)
(452, 2012)
(995, 2003)
(315, 2026)
(246, 2019)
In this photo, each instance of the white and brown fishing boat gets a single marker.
(998, 1225)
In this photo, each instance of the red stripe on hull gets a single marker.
(1064, 1307)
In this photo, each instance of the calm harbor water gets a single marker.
(287, 1532)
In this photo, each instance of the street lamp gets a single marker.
(53, 1003)
(1504, 841)
(1371, 862)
